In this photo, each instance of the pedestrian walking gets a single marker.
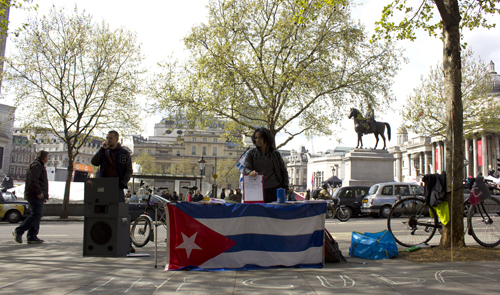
(36, 191)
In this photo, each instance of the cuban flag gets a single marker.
(244, 236)
(241, 162)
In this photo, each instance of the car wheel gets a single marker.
(13, 216)
(384, 212)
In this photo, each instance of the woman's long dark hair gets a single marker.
(266, 135)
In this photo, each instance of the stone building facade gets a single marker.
(296, 164)
(25, 147)
(173, 145)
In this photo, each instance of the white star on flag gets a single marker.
(188, 244)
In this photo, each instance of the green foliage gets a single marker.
(255, 64)
(185, 167)
(148, 164)
(76, 76)
(422, 16)
(18, 4)
(425, 109)
(229, 175)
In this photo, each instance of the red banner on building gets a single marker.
(437, 160)
(479, 153)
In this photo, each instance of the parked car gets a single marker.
(382, 196)
(12, 209)
(137, 205)
(351, 197)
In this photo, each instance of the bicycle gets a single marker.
(142, 228)
(334, 209)
(412, 221)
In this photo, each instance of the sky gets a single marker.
(161, 25)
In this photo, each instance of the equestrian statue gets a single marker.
(369, 125)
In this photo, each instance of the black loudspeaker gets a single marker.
(101, 190)
(106, 230)
(106, 236)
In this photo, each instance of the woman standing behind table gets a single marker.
(267, 161)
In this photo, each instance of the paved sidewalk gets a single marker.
(57, 267)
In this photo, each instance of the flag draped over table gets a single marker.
(244, 236)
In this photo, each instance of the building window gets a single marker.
(230, 154)
(193, 150)
(178, 153)
(215, 151)
(149, 152)
(204, 151)
(194, 139)
(204, 140)
(215, 140)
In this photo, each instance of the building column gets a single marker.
(468, 158)
(398, 167)
(421, 160)
(426, 163)
(484, 150)
(409, 164)
(474, 158)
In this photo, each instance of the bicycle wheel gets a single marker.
(409, 224)
(141, 231)
(483, 220)
(343, 214)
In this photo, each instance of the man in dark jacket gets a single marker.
(114, 161)
(36, 191)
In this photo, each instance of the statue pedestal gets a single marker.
(367, 167)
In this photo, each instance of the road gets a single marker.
(341, 231)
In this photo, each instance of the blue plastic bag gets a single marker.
(379, 245)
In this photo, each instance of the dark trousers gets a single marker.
(270, 194)
(32, 223)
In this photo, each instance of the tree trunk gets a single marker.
(453, 232)
(69, 175)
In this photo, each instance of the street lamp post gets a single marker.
(201, 165)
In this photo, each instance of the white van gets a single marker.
(382, 196)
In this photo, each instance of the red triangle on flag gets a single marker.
(192, 243)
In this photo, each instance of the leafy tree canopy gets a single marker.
(147, 163)
(425, 110)
(75, 77)
(421, 15)
(255, 64)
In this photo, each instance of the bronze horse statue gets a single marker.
(361, 126)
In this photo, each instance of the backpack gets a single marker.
(315, 194)
(332, 251)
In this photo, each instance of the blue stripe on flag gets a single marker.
(272, 243)
(262, 210)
